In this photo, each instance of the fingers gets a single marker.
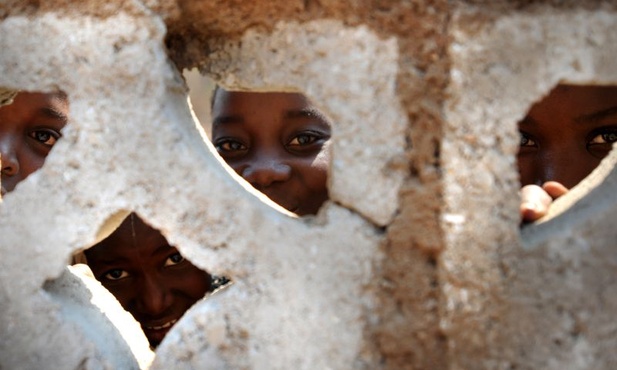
(535, 202)
(554, 189)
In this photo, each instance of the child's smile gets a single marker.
(149, 277)
(278, 142)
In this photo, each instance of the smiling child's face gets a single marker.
(566, 135)
(149, 277)
(29, 128)
(278, 142)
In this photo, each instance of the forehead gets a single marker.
(26, 104)
(247, 102)
(25, 99)
(577, 100)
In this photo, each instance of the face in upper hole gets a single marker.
(278, 142)
(29, 128)
(566, 135)
(149, 277)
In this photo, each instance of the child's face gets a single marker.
(29, 128)
(566, 135)
(278, 142)
(148, 276)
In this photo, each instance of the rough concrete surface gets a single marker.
(484, 288)
(417, 262)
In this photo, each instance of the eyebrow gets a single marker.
(597, 116)
(305, 113)
(221, 120)
(54, 113)
(164, 248)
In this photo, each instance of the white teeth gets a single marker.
(164, 326)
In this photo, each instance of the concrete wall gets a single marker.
(417, 262)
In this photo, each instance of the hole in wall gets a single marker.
(200, 95)
(148, 276)
(31, 123)
(279, 142)
(565, 136)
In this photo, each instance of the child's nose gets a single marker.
(8, 157)
(265, 171)
(566, 168)
(154, 297)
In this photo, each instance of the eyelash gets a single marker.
(173, 263)
(221, 143)
(123, 275)
(312, 138)
(525, 138)
(608, 134)
(53, 135)
(228, 145)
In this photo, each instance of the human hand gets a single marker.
(536, 200)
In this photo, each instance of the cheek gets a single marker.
(315, 169)
(194, 283)
(526, 170)
(316, 173)
(584, 167)
(311, 173)
(30, 162)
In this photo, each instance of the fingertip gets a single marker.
(554, 189)
(530, 212)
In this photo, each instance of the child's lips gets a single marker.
(284, 202)
(162, 326)
(156, 331)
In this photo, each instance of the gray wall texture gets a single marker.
(416, 262)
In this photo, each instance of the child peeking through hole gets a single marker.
(563, 138)
(278, 142)
(149, 277)
(30, 125)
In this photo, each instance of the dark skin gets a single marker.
(149, 277)
(29, 128)
(564, 137)
(278, 142)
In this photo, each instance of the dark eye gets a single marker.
(527, 141)
(601, 141)
(604, 138)
(115, 274)
(304, 139)
(174, 259)
(46, 137)
(309, 139)
(228, 145)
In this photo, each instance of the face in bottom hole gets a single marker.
(149, 277)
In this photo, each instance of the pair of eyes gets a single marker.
(227, 144)
(118, 274)
(606, 136)
(45, 136)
